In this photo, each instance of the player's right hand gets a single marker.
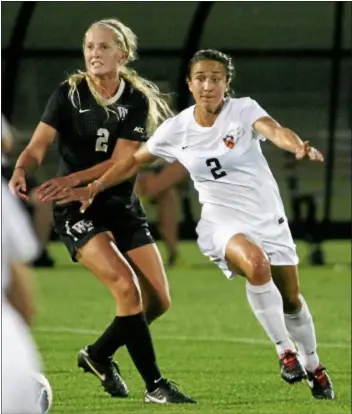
(18, 185)
(85, 195)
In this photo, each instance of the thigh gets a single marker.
(148, 265)
(74, 228)
(131, 235)
(101, 256)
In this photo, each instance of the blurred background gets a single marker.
(294, 58)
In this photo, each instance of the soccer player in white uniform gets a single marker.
(243, 226)
(20, 360)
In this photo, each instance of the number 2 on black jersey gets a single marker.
(101, 143)
(216, 168)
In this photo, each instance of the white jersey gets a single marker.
(234, 182)
(20, 359)
(18, 243)
(225, 161)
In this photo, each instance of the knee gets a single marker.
(258, 268)
(164, 305)
(157, 307)
(123, 287)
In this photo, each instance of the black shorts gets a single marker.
(129, 227)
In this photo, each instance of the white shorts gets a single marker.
(218, 224)
(20, 361)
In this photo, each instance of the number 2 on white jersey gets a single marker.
(102, 140)
(216, 169)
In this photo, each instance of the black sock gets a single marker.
(140, 346)
(108, 343)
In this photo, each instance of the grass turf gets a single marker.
(209, 342)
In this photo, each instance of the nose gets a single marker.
(208, 85)
(96, 52)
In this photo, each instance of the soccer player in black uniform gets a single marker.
(102, 115)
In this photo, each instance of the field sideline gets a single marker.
(209, 342)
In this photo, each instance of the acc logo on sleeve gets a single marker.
(140, 130)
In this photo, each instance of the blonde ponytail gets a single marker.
(159, 109)
(74, 80)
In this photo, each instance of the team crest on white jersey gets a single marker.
(229, 141)
(235, 133)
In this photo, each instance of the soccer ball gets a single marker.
(44, 393)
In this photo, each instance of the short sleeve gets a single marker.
(134, 126)
(53, 114)
(252, 111)
(160, 144)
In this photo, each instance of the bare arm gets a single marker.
(31, 157)
(123, 146)
(286, 139)
(282, 137)
(124, 168)
(56, 188)
(90, 174)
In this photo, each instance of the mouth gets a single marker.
(97, 64)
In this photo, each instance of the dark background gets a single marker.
(294, 58)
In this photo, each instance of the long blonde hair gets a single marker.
(159, 109)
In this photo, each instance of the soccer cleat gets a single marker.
(167, 393)
(109, 374)
(320, 384)
(44, 260)
(291, 368)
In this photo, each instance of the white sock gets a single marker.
(266, 303)
(301, 329)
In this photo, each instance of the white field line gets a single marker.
(235, 340)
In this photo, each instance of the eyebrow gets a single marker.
(99, 43)
(201, 71)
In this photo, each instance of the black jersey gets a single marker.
(87, 134)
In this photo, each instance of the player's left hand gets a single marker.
(306, 151)
(51, 189)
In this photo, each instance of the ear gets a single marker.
(123, 57)
(190, 87)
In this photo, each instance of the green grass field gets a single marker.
(209, 342)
